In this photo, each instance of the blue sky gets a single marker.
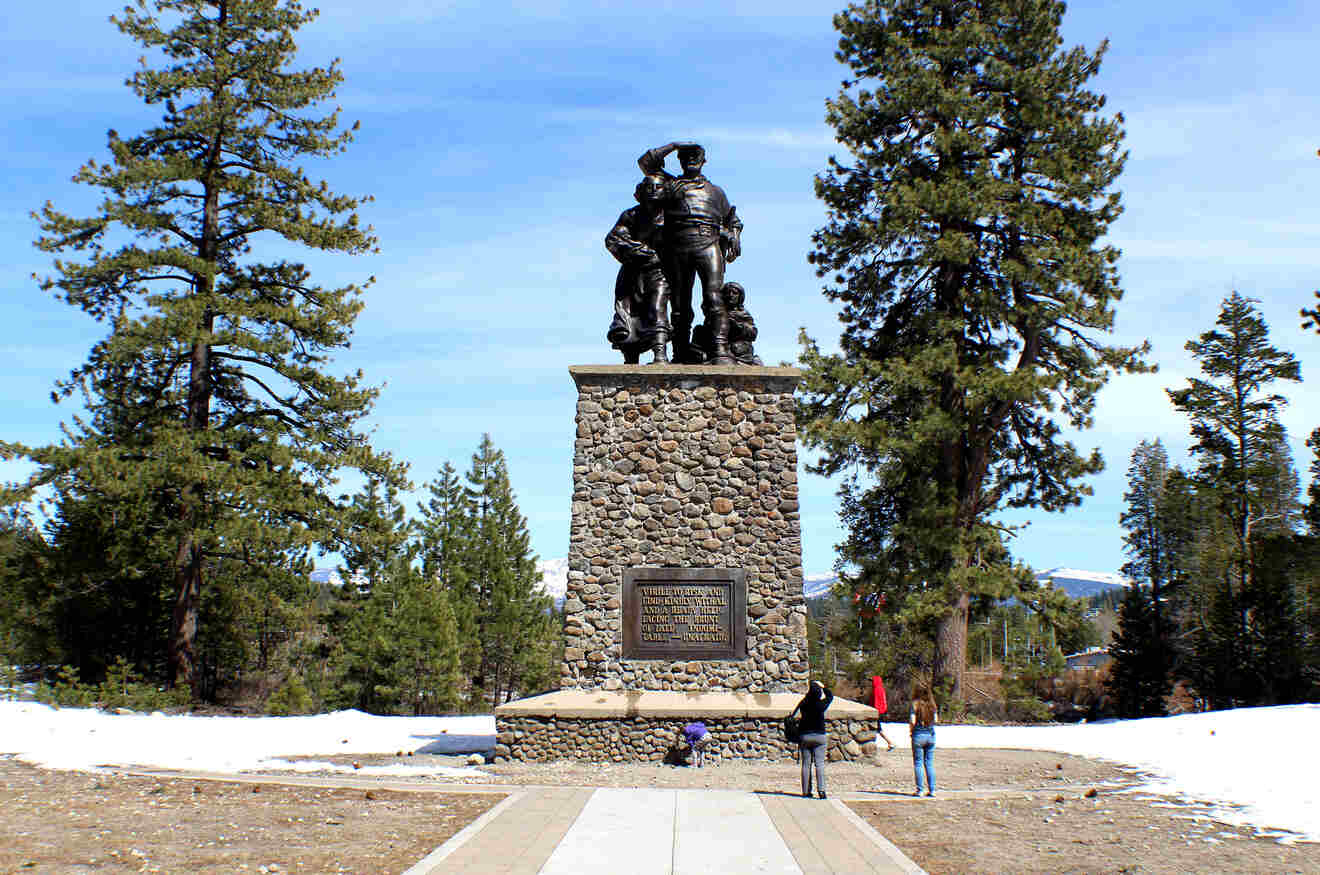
(500, 143)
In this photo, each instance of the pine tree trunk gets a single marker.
(188, 560)
(188, 586)
(951, 646)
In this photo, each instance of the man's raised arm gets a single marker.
(653, 160)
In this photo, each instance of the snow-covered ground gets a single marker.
(1257, 766)
(85, 738)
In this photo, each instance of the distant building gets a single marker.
(1092, 658)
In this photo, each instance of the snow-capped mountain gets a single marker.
(326, 575)
(554, 578)
(1083, 584)
(1075, 582)
(816, 585)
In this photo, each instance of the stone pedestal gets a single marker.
(600, 726)
(685, 568)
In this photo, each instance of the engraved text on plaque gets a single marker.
(684, 613)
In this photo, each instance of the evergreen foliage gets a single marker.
(1311, 318)
(513, 617)
(1155, 539)
(214, 414)
(447, 542)
(964, 246)
(1138, 678)
(397, 647)
(1312, 511)
(1247, 487)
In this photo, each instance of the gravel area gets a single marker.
(57, 822)
(887, 774)
(1043, 834)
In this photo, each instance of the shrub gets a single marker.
(291, 698)
(122, 688)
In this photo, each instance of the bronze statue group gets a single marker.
(683, 230)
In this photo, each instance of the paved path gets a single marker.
(619, 831)
(574, 831)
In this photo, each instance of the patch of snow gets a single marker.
(1212, 758)
(394, 770)
(83, 738)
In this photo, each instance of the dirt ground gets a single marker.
(995, 811)
(64, 822)
(888, 773)
(1068, 832)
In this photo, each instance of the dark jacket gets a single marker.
(812, 708)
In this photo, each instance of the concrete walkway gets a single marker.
(571, 831)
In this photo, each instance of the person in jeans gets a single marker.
(921, 725)
(813, 742)
(696, 736)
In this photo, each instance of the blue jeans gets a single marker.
(923, 759)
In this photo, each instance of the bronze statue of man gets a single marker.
(702, 233)
(641, 291)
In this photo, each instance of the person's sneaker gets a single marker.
(930, 792)
(822, 796)
(917, 793)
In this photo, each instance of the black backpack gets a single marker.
(793, 728)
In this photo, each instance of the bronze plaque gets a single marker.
(684, 613)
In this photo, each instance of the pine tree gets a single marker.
(27, 632)
(1245, 475)
(211, 394)
(447, 542)
(1312, 511)
(511, 611)
(1311, 318)
(444, 530)
(1156, 538)
(964, 244)
(398, 647)
(1137, 680)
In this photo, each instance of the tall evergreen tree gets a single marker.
(1156, 538)
(444, 530)
(964, 244)
(1245, 472)
(1313, 491)
(1138, 680)
(397, 640)
(27, 634)
(511, 611)
(447, 539)
(211, 394)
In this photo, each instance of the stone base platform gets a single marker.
(640, 726)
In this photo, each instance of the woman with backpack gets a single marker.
(813, 743)
(921, 724)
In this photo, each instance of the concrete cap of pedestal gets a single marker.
(682, 370)
(664, 704)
